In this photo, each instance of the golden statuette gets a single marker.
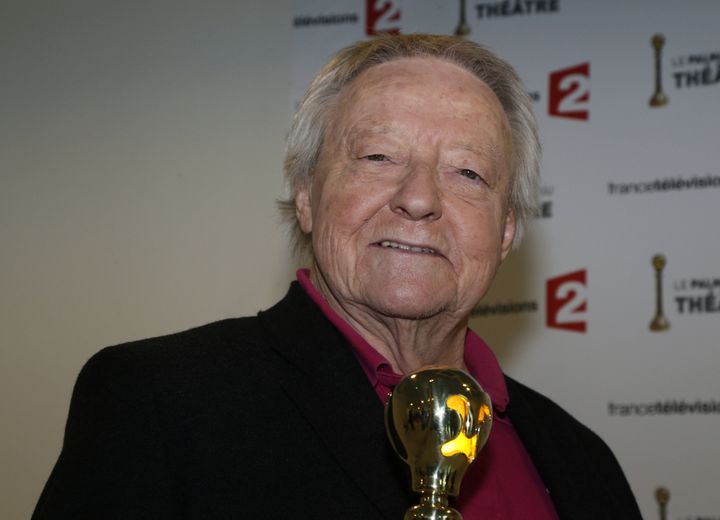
(658, 98)
(462, 29)
(662, 495)
(659, 322)
(437, 419)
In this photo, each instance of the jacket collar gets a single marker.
(333, 394)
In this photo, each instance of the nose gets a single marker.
(418, 195)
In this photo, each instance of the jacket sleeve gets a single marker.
(113, 462)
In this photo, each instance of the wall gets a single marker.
(141, 156)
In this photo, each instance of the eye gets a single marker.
(473, 176)
(377, 157)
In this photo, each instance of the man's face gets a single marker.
(408, 203)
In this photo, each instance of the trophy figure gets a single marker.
(662, 495)
(437, 420)
(658, 98)
(462, 29)
(659, 322)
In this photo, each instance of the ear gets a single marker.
(509, 230)
(303, 208)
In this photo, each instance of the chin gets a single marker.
(410, 313)
(409, 306)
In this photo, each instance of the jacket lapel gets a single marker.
(568, 475)
(330, 389)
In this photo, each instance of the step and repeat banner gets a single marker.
(611, 306)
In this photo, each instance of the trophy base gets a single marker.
(658, 100)
(659, 324)
(432, 512)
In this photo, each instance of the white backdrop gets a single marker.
(622, 183)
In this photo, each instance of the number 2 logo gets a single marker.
(569, 92)
(567, 301)
(382, 17)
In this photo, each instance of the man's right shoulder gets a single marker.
(222, 349)
(214, 343)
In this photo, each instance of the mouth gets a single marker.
(391, 244)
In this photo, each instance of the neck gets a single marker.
(408, 344)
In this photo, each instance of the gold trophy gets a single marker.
(437, 420)
(462, 29)
(658, 98)
(659, 322)
(662, 495)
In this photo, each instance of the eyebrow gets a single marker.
(354, 133)
(382, 129)
(489, 150)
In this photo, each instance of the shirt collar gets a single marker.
(479, 358)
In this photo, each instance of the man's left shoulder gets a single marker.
(576, 464)
(541, 405)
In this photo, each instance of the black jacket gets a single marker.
(272, 417)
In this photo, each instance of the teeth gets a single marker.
(414, 249)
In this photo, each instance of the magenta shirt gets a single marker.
(503, 483)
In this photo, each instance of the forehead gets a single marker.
(419, 86)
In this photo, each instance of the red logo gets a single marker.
(382, 17)
(566, 304)
(569, 92)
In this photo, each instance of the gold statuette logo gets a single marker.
(659, 322)
(658, 98)
(662, 495)
(462, 29)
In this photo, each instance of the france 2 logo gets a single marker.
(566, 304)
(382, 17)
(569, 92)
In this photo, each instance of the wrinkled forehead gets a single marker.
(416, 70)
(421, 84)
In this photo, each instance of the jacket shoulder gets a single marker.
(558, 423)
(193, 344)
(578, 467)
(546, 407)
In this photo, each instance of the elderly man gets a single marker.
(413, 168)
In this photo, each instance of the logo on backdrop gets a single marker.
(325, 19)
(516, 8)
(664, 407)
(545, 208)
(662, 497)
(383, 17)
(668, 184)
(658, 98)
(566, 301)
(692, 70)
(692, 295)
(462, 29)
(659, 322)
(698, 69)
(504, 308)
(697, 295)
(569, 92)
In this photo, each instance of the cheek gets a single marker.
(339, 218)
(479, 239)
(350, 206)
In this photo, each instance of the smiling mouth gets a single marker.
(404, 247)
